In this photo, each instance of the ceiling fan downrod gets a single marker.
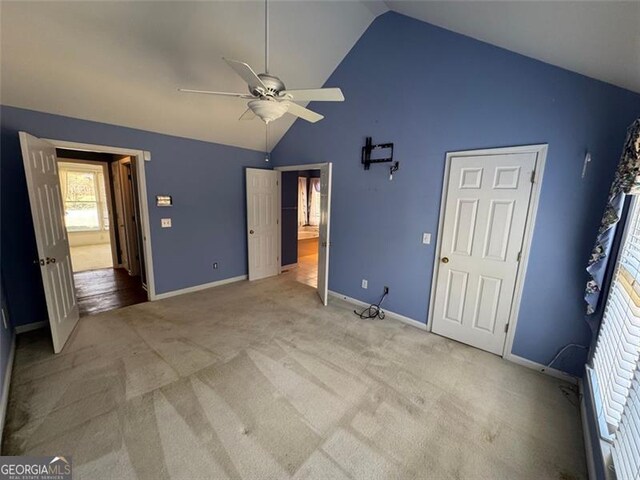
(266, 36)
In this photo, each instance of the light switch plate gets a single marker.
(166, 223)
(426, 238)
(365, 284)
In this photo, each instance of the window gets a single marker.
(84, 197)
(616, 361)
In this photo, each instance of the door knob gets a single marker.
(41, 261)
(251, 232)
(445, 260)
(50, 260)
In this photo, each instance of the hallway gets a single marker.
(107, 289)
(306, 271)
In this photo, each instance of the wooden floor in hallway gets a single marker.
(107, 289)
(306, 270)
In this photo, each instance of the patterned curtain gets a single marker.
(626, 182)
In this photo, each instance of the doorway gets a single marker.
(266, 221)
(101, 217)
(74, 189)
(300, 250)
(85, 189)
(487, 215)
(306, 213)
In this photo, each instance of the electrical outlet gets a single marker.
(365, 283)
(165, 223)
(215, 265)
(426, 238)
(386, 289)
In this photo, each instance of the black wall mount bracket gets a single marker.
(367, 150)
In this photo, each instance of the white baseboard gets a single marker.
(30, 326)
(4, 399)
(390, 314)
(196, 288)
(541, 368)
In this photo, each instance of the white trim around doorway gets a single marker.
(142, 195)
(295, 168)
(541, 156)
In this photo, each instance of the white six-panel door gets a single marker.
(485, 215)
(263, 222)
(41, 170)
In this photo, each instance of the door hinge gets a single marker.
(533, 176)
(506, 328)
(519, 256)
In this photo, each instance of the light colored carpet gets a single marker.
(91, 257)
(259, 381)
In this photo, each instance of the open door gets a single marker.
(41, 170)
(323, 241)
(263, 222)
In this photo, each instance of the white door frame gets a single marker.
(142, 195)
(541, 156)
(295, 168)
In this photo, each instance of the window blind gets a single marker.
(626, 444)
(616, 361)
(618, 345)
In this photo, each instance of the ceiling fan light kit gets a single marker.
(268, 110)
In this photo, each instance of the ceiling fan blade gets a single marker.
(224, 94)
(247, 115)
(304, 113)
(316, 95)
(247, 73)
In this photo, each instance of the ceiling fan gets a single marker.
(269, 97)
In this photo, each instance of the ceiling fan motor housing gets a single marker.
(274, 86)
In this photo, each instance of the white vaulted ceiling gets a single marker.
(600, 39)
(121, 62)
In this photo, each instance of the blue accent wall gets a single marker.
(432, 91)
(206, 181)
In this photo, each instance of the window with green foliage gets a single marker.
(84, 197)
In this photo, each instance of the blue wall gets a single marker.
(431, 91)
(208, 216)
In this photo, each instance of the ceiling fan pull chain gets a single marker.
(266, 142)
